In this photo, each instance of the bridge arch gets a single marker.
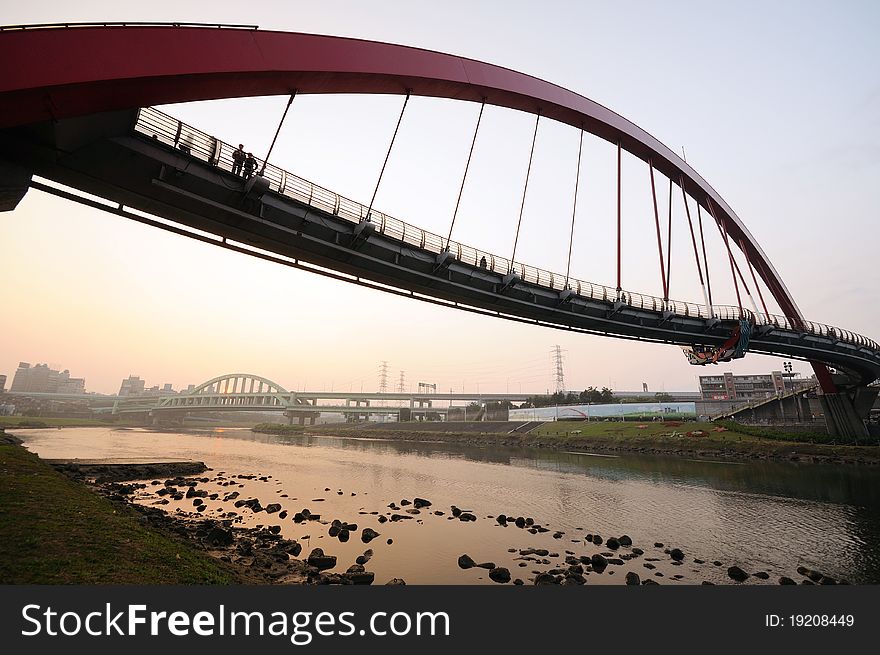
(109, 68)
(238, 383)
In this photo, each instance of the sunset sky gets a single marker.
(777, 105)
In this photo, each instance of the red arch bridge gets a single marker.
(75, 110)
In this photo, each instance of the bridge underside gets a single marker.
(101, 155)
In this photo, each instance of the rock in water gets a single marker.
(320, 561)
(625, 541)
(396, 582)
(633, 578)
(271, 508)
(737, 573)
(676, 554)
(466, 562)
(785, 580)
(368, 535)
(612, 543)
(500, 574)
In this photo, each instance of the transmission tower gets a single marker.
(383, 377)
(401, 384)
(560, 375)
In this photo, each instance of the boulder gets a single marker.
(676, 554)
(500, 575)
(396, 582)
(368, 535)
(271, 508)
(625, 541)
(786, 581)
(421, 502)
(219, 537)
(737, 573)
(466, 562)
(545, 579)
(632, 579)
(320, 561)
(612, 543)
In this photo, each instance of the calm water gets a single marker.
(760, 516)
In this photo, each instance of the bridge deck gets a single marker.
(130, 158)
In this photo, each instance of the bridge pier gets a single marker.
(14, 183)
(846, 411)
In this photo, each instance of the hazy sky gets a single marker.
(777, 105)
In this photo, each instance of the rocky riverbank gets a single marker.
(268, 556)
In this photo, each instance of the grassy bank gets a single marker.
(40, 422)
(54, 530)
(685, 439)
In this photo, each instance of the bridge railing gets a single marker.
(166, 129)
(47, 26)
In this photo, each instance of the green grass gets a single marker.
(40, 422)
(280, 428)
(657, 435)
(54, 530)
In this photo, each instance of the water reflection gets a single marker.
(765, 515)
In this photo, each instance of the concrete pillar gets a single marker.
(845, 412)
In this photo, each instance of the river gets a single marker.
(761, 516)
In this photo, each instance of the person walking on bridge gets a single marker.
(237, 159)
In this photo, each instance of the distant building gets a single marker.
(42, 379)
(750, 387)
(133, 386)
(2, 383)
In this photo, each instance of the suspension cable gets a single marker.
(687, 211)
(705, 259)
(722, 227)
(736, 268)
(657, 223)
(754, 279)
(464, 177)
(525, 189)
(669, 240)
(618, 218)
(280, 123)
(387, 155)
(577, 178)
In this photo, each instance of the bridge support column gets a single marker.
(846, 411)
(14, 183)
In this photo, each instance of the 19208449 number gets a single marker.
(821, 620)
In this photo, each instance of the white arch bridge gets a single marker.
(246, 392)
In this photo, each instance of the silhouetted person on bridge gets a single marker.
(249, 165)
(238, 159)
(483, 262)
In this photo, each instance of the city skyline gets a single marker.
(100, 290)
